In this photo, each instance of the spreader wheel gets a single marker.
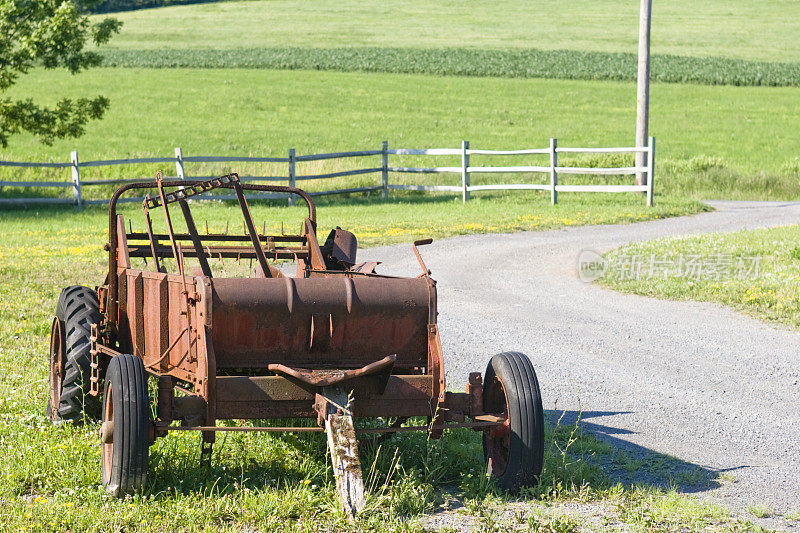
(125, 433)
(77, 310)
(514, 450)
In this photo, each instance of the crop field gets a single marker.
(50, 477)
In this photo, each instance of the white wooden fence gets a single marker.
(466, 170)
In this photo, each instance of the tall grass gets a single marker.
(513, 63)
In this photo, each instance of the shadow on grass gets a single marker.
(580, 453)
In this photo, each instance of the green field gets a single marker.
(734, 142)
(766, 31)
(770, 290)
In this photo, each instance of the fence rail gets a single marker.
(465, 169)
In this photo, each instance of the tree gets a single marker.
(52, 34)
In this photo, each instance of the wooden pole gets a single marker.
(643, 87)
(76, 178)
(179, 164)
(651, 164)
(291, 174)
(385, 168)
(343, 447)
(464, 171)
(553, 173)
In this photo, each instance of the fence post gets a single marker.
(179, 164)
(553, 173)
(464, 171)
(291, 174)
(651, 178)
(385, 168)
(76, 178)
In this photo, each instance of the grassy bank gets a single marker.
(712, 141)
(50, 478)
(764, 31)
(554, 64)
(754, 271)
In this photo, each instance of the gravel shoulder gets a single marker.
(697, 381)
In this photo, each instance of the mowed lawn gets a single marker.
(756, 271)
(740, 29)
(711, 140)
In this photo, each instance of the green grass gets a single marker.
(49, 479)
(563, 64)
(769, 290)
(765, 31)
(712, 141)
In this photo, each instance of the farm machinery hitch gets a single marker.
(334, 343)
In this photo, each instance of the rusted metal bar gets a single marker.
(248, 220)
(153, 242)
(198, 246)
(317, 429)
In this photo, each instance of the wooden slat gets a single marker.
(36, 165)
(345, 191)
(600, 150)
(133, 161)
(591, 170)
(429, 151)
(35, 184)
(510, 152)
(428, 170)
(511, 187)
(339, 174)
(492, 170)
(24, 201)
(231, 159)
(601, 188)
(426, 188)
(338, 155)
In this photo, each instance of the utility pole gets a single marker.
(643, 86)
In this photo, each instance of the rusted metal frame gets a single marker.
(218, 237)
(151, 238)
(232, 252)
(422, 242)
(186, 192)
(315, 262)
(113, 244)
(198, 246)
(318, 429)
(323, 378)
(161, 193)
(248, 220)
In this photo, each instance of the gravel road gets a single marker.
(698, 381)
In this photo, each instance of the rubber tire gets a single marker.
(77, 309)
(127, 473)
(526, 419)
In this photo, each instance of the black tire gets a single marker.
(125, 433)
(514, 452)
(77, 310)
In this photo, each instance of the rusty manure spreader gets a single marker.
(335, 342)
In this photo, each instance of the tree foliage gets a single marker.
(52, 34)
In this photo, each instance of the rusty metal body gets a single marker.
(265, 347)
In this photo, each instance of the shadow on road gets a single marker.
(630, 464)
